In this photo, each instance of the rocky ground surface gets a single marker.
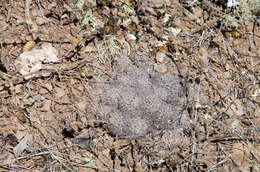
(127, 85)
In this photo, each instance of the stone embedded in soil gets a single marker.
(139, 102)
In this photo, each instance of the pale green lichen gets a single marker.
(160, 43)
(89, 19)
(246, 10)
(126, 11)
(235, 124)
(232, 21)
(175, 31)
(79, 4)
(126, 22)
(108, 49)
(166, 17)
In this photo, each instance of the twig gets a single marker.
(38, 154)
(218, 164)
(60, 161)
(4, 167)
(18, 166)
(40, 7)
(32, 26)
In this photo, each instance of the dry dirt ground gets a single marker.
(156, 85)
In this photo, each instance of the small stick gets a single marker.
(32, 26)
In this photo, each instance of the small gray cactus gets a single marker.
(139, 102)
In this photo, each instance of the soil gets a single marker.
(154, 85)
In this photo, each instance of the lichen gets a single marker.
(108, 49)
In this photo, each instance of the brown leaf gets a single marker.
(239, 154)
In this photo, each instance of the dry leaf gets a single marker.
(60, 92)
(47, 106)
(138, 167)
(74, 40)
(239, 154)
(30, 62)
(18, 149)
(236, 109)
(203, 56)
(127, 2)
(90, 48)
(85, 71)
(198, 12)
(84, 141)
